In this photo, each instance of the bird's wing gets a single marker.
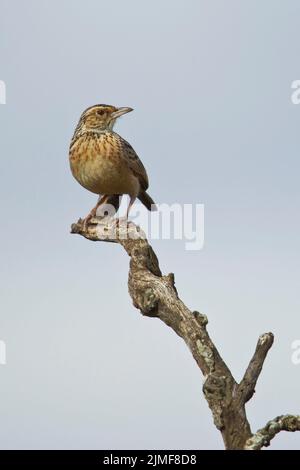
(134, 163)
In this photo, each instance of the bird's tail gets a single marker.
(147, 201)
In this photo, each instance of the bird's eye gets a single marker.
(100, 112)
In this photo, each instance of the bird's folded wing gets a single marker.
(135, 164)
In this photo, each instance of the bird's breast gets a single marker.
(98, 164)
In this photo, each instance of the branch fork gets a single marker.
(155, 295)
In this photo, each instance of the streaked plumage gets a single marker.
(105, 163)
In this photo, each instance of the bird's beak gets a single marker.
(120, 112)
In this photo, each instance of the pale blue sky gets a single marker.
(214, 124)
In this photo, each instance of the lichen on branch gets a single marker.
(155, 295)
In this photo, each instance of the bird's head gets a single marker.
(102, 116)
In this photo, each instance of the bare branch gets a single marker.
(263, 437)
(155, 295)
(246, 387)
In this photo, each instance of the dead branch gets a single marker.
(155, 295)
(263, 437)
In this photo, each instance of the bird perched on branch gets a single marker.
(104, 163)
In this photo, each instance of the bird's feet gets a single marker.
(86, 221)
(93, 219)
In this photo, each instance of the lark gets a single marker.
(105, 163)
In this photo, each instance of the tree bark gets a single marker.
(155, 295)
